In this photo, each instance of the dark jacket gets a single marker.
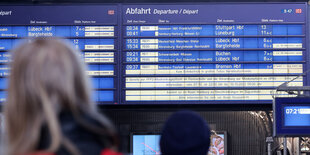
(87, 142)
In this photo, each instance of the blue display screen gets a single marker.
(93, 34)
(233, 53)
(212, 53)
(291, 116)
(296, 116)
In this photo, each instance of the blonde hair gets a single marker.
(46, 77)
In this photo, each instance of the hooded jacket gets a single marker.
(87, 142)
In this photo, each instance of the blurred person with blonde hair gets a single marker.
(48, 105)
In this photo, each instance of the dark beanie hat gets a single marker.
(185, 133)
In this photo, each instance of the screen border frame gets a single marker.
(227, 103)
(279, 129)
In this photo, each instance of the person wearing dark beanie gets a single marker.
(185, 133)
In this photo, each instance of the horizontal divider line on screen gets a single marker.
(103, 63)
(103, 75)
(236, 23)
(101, 37)
(106, 102)
(221, 62)
(89, 63)
(244, 36)
(105, 89)
(193, 103)
(88, 24)
(93, 89)
(234, 49)
(211, 75)
(103, 50)
(195, 88)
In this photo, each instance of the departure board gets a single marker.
(198, 53)
(211, 53)
(91, 29)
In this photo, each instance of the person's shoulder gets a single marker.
(79, 134)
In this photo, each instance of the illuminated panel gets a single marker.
(206, 54)
(145, 144)
(94, 33)
(296, 116)
(291, 116)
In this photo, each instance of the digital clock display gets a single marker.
(296, 116)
